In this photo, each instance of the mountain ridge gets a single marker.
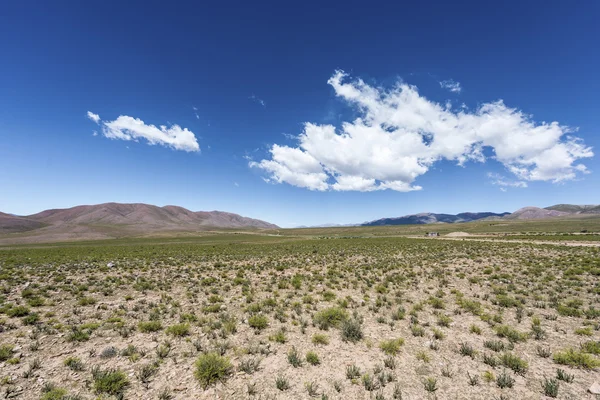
(125, 219)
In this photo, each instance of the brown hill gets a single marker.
(535, 213)
(12, 223)
(110, 220)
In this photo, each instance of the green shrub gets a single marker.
(6, 351)
(149, 326)
(312, 358)
(513, 362)
(351, 331)
(258, 322)
(179, 330)
(320, 338)
(212, 368)
(112, 382)
(576, 358)
(330, 317)
(391, 347)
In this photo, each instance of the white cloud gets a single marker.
(400, 134)
(451, 85)
(129, 128)
(93, 117)
(504, 182)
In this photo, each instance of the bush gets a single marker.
(351, 331)
(330, 317)
(391, 347)
(511, 334)
(258, 322)
(319, 338)
(6, 351)
(18, 311)
(550, 387)
(212, 368)
(179, 330)
(312, 358)
(513, 362)
(576, 358)
(149, 326)
(112, 382)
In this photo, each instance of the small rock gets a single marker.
(110, 264)
(595, 388)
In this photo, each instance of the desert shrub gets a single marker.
(258, 322)
(312, 358)
(178, 330)
(6, 351)
(330, 317)
(511, 334)
(294, 358)
(392, 346)
(513, 362)
(74, 363)
(211, 368)
(320, 338)
(550, 387)
(112, 382)
(576, 358)
(351, 331)
(149, 326)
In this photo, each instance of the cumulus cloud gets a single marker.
(504, 182)
(129, 128)
(399, 134)
(451, 85)
(93, 117)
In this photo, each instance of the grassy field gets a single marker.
(297, 316)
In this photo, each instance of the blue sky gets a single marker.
(235, 85)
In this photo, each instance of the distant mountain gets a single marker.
(535, 213)
(431, 218)
(576, 209)
(118, 220)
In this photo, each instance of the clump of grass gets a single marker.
(312, 358)
(51, 392)
(576, 358)
(320, 338)
(466, 349)
(294, 358)
(211, 368)
(504, 380)
(351, 331)
(494, 345)
(178, 330)
(282, 383)
(112, 382)
(352, 372)
(258, 322)
(511, 333)
(392, 346)
(6, 351)
(430, 384)
(249, 365)
(518, 365)
(278, 337)
(543, 352)
(591, 347)
(149, 326)
(475, 329)
(564, 376)
(74, 363)
(550, 387)
(330, 317)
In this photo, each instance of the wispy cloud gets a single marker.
(451, 85)
(504, 182)
(132, 129)
(258, 100)
(93, 117)
(400, 134)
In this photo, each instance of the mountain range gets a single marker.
(116, 220)
(524, 213)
